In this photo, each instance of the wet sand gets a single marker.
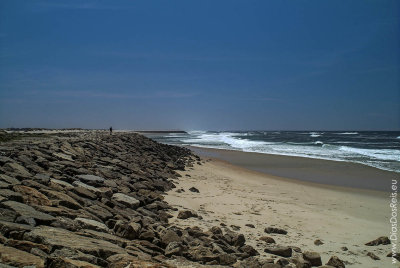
(307, 169)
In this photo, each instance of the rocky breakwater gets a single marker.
(89, 199)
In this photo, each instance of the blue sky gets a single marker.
(212, 65)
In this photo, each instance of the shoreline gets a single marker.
(236, 197)
(319, 171)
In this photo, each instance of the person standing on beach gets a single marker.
(110, 130)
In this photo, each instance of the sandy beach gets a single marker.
(237, 196)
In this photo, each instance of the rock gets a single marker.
(91, 179)
(279, 250)
(344, 248)
(32, 196)
(201, 254)
(373, 256)
(126, 200)
(61, 184)
(313, 257)
(63, 199)
(335, 262)
(17, 169)
(169, 236)
(62, 262)
(194, 190)
(185, 214)
(9, 180)
(318, 242)
(250, 225)
(267, 239)
(272, 230)
(383, 240)
(249, 250)
(395, 255)
(84, 192)
(28, 211)
(57, 237)
(19, 258)
(7, 227)
(226, 259)
(128, 230)
(26, 245)
(92, 225)
(121, 242)
(174, 248)
(129, 261)
(300, 262)
(11, 195)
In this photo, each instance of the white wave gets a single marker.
(347, 133)
(318, 143)
(398, 137)
(315, 134)
(381, 154)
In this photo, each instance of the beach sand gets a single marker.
(338, 216)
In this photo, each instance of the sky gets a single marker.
(200, 65)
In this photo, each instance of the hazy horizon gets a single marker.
(224, 65)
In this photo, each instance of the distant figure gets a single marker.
(110, 130)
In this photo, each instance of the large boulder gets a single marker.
(335, 262)
(92, 224)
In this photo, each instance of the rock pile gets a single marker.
(90, 199)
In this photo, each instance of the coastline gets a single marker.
(319, 171)
(236, 196)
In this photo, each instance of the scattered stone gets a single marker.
(335, 262)
(373, 256)
(318, 242)
(267, 239)
(396, 255)
(383, 240)
(194, 190)
(272, 230)
(279, 250)
(185, 214)
(313, 257)
(344, 248)
(250, 225)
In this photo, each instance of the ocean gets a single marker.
(380, 149)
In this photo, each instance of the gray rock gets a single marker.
(174, 248)
(336, 262)
(62, 238)
(373, 256)
(90, 179)
(279, 250)
(11, 195)
(27, 211)
(313, 257)
(127, 200)
(92, 225)
(185, 214)
(383, 240)
(272, 230)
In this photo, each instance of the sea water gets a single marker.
(380, 149)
